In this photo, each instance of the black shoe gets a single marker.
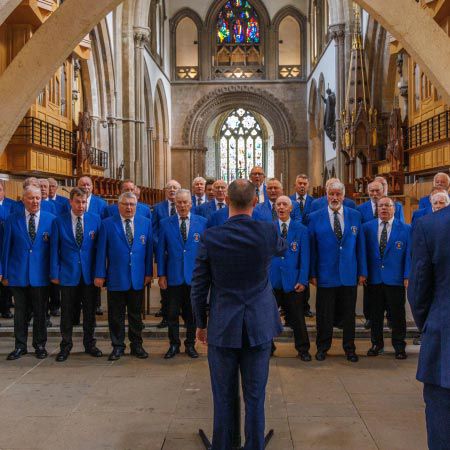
(173, 350)
(320, 356)
(375, 350)
(48, 323)
(7, 315)
(16, 354)
(55, 313)
(309, 314)
(305, 356)
(41, 353)
(272, 350)
(94, 351)
(159, 313)
(163, 324)
(99, 311)
(352, 357)
(139, 352)
(191, 352)
(368, 324)
(401, 355)
(115, 354)
(417, 340)
(62, 355)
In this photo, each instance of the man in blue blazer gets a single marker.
(322, 202)
(257, 177)
(289, 274)
(441, 180)
(141, 209)
(5, 202)
(218, 218)
(208, 209)
(72, 263)
(95, 205)
(338, 264)
(125, 261)
(26, 263)
(19, 207)
(428, 295)
(179, 240)
(53, 196)
(302, 197)
(198, 188)
(439, 202)
(388, 264)
(233, 265)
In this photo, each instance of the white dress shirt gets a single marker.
(340, 217)
(280, 223)
(203, 197)
(36, 219)
(170, 205)
(188, 221)
(261, 194)
(124, 225)
(217, 204)
(88, 202)
(74, 223)
(388, 228)
(374, 207)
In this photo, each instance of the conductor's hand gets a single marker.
(98, 282)
(299, 287)
(162, 282)
(313, 281)
(202, 335)
(5, 282)
(362, 281)
(147, 280)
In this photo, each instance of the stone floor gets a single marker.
(88, 403)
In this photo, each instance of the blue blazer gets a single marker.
(25, 263)
(394, 268)
(8, 205)
(335, 264)
(293, 267)
(418, 213)
(428, 294)
(263, 212)
(218, 218)
(207, 209)
(98, 206)
(233, 265)
(194, 203)
(124, 267)
(322, 202)
(159, 212)
(174, 257)
(47, 206)
(366, 212)
(306, 209)
(63, 203)
(141, 210)
(69, 263)
(424, 202)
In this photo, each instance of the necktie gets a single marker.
(129, 232)
(172, 209)
(337, 227)
(284, 230)
(274, 212)
(257, 193)
(199, 201)
(383, 239)
(79, 232)
(375, 214)
(301, 203)
(183, 229)
(220, 205)
(32, 227)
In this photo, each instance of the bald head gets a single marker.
(241, 197)
(283, 207)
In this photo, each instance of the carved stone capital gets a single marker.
(141, 36)
(337, 31)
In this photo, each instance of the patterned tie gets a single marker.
(129, 232)
(274, 212)
(220, 205)
(337, 227)
(284, 230)
(257, 193)
(183, 229)
(172, 209)
(32, 227)
(375, 213)
(301, 203)
(383, 239)
(79, 232)
(199, 201)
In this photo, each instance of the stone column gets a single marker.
(337, 33)
(141, 36)
(290, 160)
(112, 130)
(151, 158)
(187, 163)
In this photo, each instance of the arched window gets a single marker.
(186, 50)
(241, 145)
(238, 41)
(289, 48)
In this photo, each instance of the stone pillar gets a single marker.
(187, 163)
(338, 34)
(151, 157)
(112, 130)
(141, 36)
(290, 160)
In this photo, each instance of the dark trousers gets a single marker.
(36, 300)
(55, 298)
(437, 412)
(293, 305)
(118, 303)
(5, 299)
(164, 302)
(306, 305)
(367, 309)
(70, 299)
(224, 366)
(382, 297)
(180, 298)
(326, 302)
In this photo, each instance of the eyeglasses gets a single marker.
(385, 205)
(131, 205)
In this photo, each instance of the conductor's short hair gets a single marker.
(241, 194)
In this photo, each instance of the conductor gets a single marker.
(233, 263)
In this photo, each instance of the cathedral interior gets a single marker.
(155, 90)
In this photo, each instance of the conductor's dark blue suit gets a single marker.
(428, 294)
(233, 262)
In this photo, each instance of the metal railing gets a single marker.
(434, 129)
(99, 158)
(39, 132)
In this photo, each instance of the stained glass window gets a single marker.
(238, 23)
(241, 145)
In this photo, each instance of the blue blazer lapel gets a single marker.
(87, 223)
(374, 231)
(347, 224)
(393, 236)
(22, 219)
(176, 228)
(192, 228)
(138, 232)
(68, 224)
(42, 223)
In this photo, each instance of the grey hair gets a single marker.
(125, 195)
(444, 194)
(336, 185)
(198, 179)
(31, 188)
(181, 192)
(289, 201)
(171, 183)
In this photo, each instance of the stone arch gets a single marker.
(161, 137)
(227, 98)
(293, 12)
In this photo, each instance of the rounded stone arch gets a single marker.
(173, 23)
(210, 35)
(161, 136)
(292, 11)
(228, 98)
